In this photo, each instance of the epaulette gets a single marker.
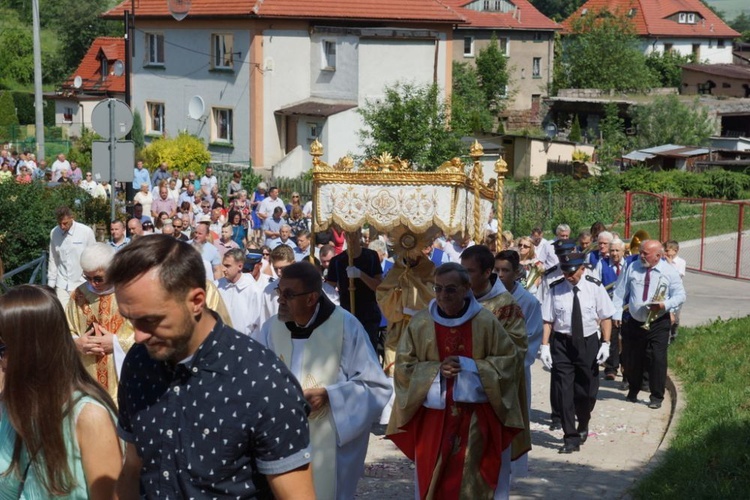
(556, 282)
(593, 280)
(551, 270)
(589, 265)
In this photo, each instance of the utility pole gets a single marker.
(38, 102)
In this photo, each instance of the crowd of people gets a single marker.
(213, 349)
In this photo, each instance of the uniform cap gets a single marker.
(565, 246)
(571, 262)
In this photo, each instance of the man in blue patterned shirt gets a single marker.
(205, 411)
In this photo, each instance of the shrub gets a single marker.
(186, 153)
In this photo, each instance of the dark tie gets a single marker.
(646, 283)
(577, 321)
(617, 268)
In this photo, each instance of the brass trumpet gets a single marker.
(659, 295)
(635, 242)
(532, 276)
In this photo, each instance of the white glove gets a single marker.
(353, 272)
(546, 356)
(603, 353)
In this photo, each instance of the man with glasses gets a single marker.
(179, 227)
(328, 350)
(67, 240)
(491, 293)
(458, 404)
(280, 258)
(574, 311)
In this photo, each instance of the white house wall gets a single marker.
(187, 73)
(286, 80)
(709, 52)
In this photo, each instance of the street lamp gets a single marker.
(38, 102)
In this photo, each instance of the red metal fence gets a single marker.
(714, 235)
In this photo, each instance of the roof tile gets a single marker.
(386, 10)
(90, 67)
(651, 17)
(526, 17)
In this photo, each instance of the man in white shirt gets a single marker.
(208, 181)
(207, 249)
(58, 166)
(67, 242)
(266, 207)
(543, 248)
(239, 292)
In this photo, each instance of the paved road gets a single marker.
(623, 439)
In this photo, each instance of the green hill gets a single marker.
(730, 8)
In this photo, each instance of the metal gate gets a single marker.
(713, 234)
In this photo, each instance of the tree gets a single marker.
(741, 23)
(8, 117)
(603, 53)
(668, 121)
(614, 141)
(410, 122)
(186, 153)
(137, 133)
(493, 74)
(666, 67)
(16, 54)
(557, 9)
(469, 109)
(575, 130)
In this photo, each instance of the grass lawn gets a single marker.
(710, 454)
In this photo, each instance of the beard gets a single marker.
(177, 348)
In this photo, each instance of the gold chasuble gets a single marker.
(457, 449)
(86, 308)
(319, 367)
(509, 313)
(404, 291)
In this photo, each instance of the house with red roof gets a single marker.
(524, 34)
(260, 80)
(682, 26)
(98, 76)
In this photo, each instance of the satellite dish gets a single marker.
(119, 68)
(196, 107)
(77, 82)
(179, 8)
(550, 130)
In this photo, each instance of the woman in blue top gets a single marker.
(57, 427)
(238, 230)
(258, 195)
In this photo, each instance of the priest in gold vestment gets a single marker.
(102, 336)
(458, 404)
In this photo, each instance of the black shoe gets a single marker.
(610, 376)
(567, 449)
(584, 433)
(556, 424)
(631, 399)
(654, 405)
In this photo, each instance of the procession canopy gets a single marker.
(389, 195)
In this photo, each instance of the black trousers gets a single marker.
(646, 349)
(575, 375)
(613, 361)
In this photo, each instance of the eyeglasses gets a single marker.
(289, 295)
(295, 196)
(93, 279)
(524, 246)
(449, 290)
(266, 254)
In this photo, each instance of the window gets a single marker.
(221, 51)
(154, 49)
(667, 48)
(329, 55)
(222, 126)
(538, 36)
(105, 68)
(682, 18)
(536, 67)
(691, 18)
(68, 114)
(313, 132)
(720, 43)
(155, 118)
(468, 46)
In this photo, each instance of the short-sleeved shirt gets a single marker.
(366, 306)
(596, 305)
(216, 423)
